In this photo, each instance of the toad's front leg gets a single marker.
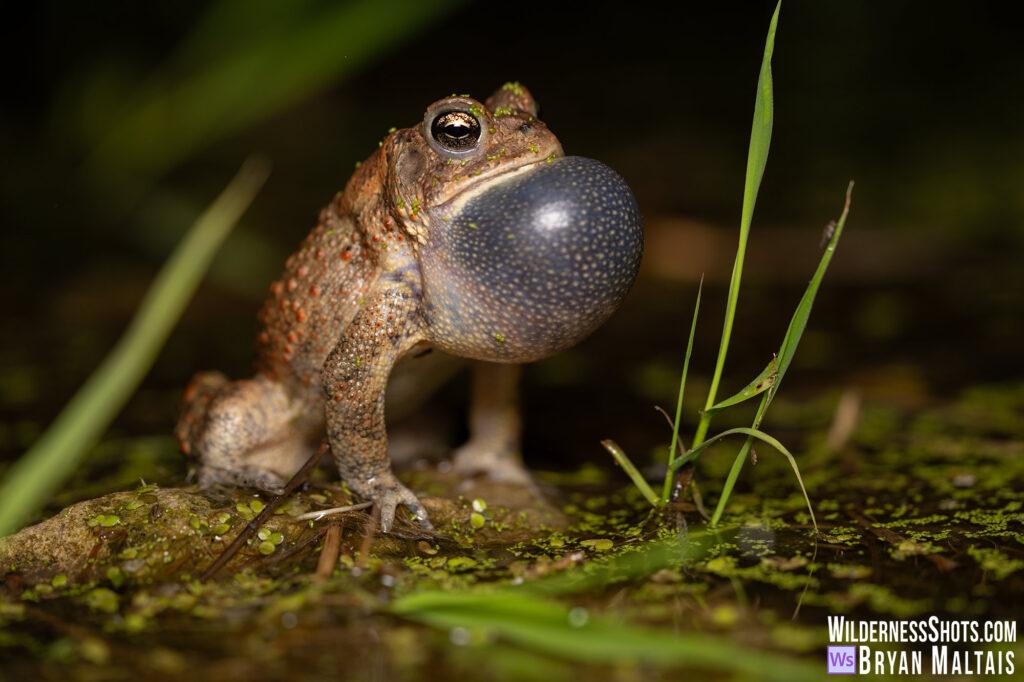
(354, 379)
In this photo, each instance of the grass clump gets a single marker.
(766, 384)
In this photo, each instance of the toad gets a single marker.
(470, 232)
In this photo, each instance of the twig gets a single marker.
(844, 421)
(941, 562)
(321, 513)
(364, 548)
(254, 525)
(329, 554)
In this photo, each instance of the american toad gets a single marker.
(469, 232)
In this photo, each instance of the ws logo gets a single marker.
(842, 660)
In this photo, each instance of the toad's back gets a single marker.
(315, 299)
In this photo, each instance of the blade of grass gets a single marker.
(235, 70)
(761, 383)
(794, 332)
(631, 471)
(751, 434)
(757, 157)
(667, 489)
(575, 634)
(54, 456)
(798, 322)
(734, 474)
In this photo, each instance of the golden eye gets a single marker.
(455, 130)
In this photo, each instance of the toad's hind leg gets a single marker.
(494, 426)
(246, 433)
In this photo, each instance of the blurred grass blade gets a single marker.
(667, 489)
(39, 472)
(634, 475)
(632, 564)
(759, 435)
(757, 157)
(245, 61)
(761, 383)
(576, 634)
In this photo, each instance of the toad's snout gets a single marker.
(530, 265)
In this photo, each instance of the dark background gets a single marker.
(919, 102)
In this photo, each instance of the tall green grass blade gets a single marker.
(734, 473)
(54, 456)
(751, 434)
(634, 474)
(761, 383)
(576, 634)
(757, 157)
(667, 489)
(797, 324)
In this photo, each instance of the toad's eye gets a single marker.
(456, 131)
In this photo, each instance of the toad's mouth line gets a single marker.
(485, 181)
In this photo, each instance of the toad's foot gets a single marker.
(387, 492)
(499, 461)
(245, 477)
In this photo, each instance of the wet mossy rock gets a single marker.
(152, 534)
(148, 533)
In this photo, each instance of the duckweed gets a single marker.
(995, 562)
(105, 520)
(102, 599)
(461, 563)
(900, 538)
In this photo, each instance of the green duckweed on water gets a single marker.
(902, 535)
